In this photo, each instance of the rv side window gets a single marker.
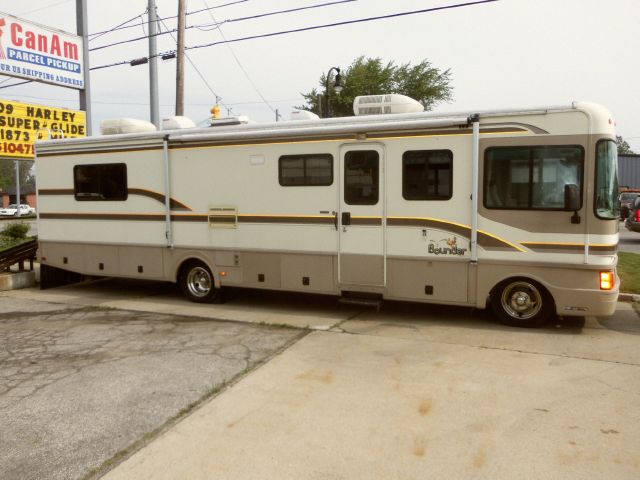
(427, 174)
(361, 177)
(100, 182)
(314, 170)
(531, 178)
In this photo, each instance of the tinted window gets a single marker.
(427, 174)
(531, 177)
(305, 170)
(361, 177)
(100, 182)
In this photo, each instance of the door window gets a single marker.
(361, 177)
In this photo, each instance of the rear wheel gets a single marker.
(522, 302)
(196, 283)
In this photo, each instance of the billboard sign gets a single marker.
(35, 52)
(22, 123)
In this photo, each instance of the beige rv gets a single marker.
(514, 209)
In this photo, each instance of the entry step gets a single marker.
(363, 300)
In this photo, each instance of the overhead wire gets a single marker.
(169, 18)
(55, 4)
(216, 24)
(246, 74)
(160, 19)
(314, 27)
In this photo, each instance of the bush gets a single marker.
(15, 231)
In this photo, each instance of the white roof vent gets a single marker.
(227, 121)
(117, 126)
(383, 104)
(303, 115)
(177, 123)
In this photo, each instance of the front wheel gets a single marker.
(522, 303)
(196, 283)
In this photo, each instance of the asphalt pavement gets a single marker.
(81, 386)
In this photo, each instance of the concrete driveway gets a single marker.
(413, 391)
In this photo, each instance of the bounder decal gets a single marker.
(485, 240)
(446, 246)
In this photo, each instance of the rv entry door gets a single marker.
(361, 219)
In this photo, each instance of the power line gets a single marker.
(120, 27)
(117, 102)
(117, 27)
(246, 74)
(217, 24)
(55, 4)
(315, 27)
(193, 64)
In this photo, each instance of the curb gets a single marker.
(629, 297)
(15, 280)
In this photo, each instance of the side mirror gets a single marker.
(572, 201)
(571, 197)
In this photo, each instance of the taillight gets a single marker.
(638, 215)
(606, 280)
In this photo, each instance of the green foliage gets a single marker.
(15, 231)
(369, 76)
(629, 272)
(623, 147)
(8, 173)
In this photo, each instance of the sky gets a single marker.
(503, 54)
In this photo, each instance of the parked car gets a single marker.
(625, 201)
(12, 210)
(633, 220)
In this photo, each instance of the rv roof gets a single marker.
(601, 122)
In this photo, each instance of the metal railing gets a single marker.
(19, 254)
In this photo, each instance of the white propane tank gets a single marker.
(383, 104)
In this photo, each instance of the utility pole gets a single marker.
(82, 29)
(182, 9)
(153, 64)
(18, 187)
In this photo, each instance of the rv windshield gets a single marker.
(607, 180)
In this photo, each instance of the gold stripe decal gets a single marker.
(143, 192)
(562, 247)
(485, 240)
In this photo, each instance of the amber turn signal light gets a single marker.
(606, 280)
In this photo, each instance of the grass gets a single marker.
(7, 242)
(629, 272)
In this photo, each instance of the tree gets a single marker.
(623, 147)
(369, 76)
(8, 173)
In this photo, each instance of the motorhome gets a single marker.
(515, 209)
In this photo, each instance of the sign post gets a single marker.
(18, 188)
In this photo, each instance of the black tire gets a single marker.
(197, 284)
(521, 302)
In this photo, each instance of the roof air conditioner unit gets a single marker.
(177, 123)
(116, 126)
(383, 104)
(303, 115)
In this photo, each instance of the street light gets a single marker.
(337, 86)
